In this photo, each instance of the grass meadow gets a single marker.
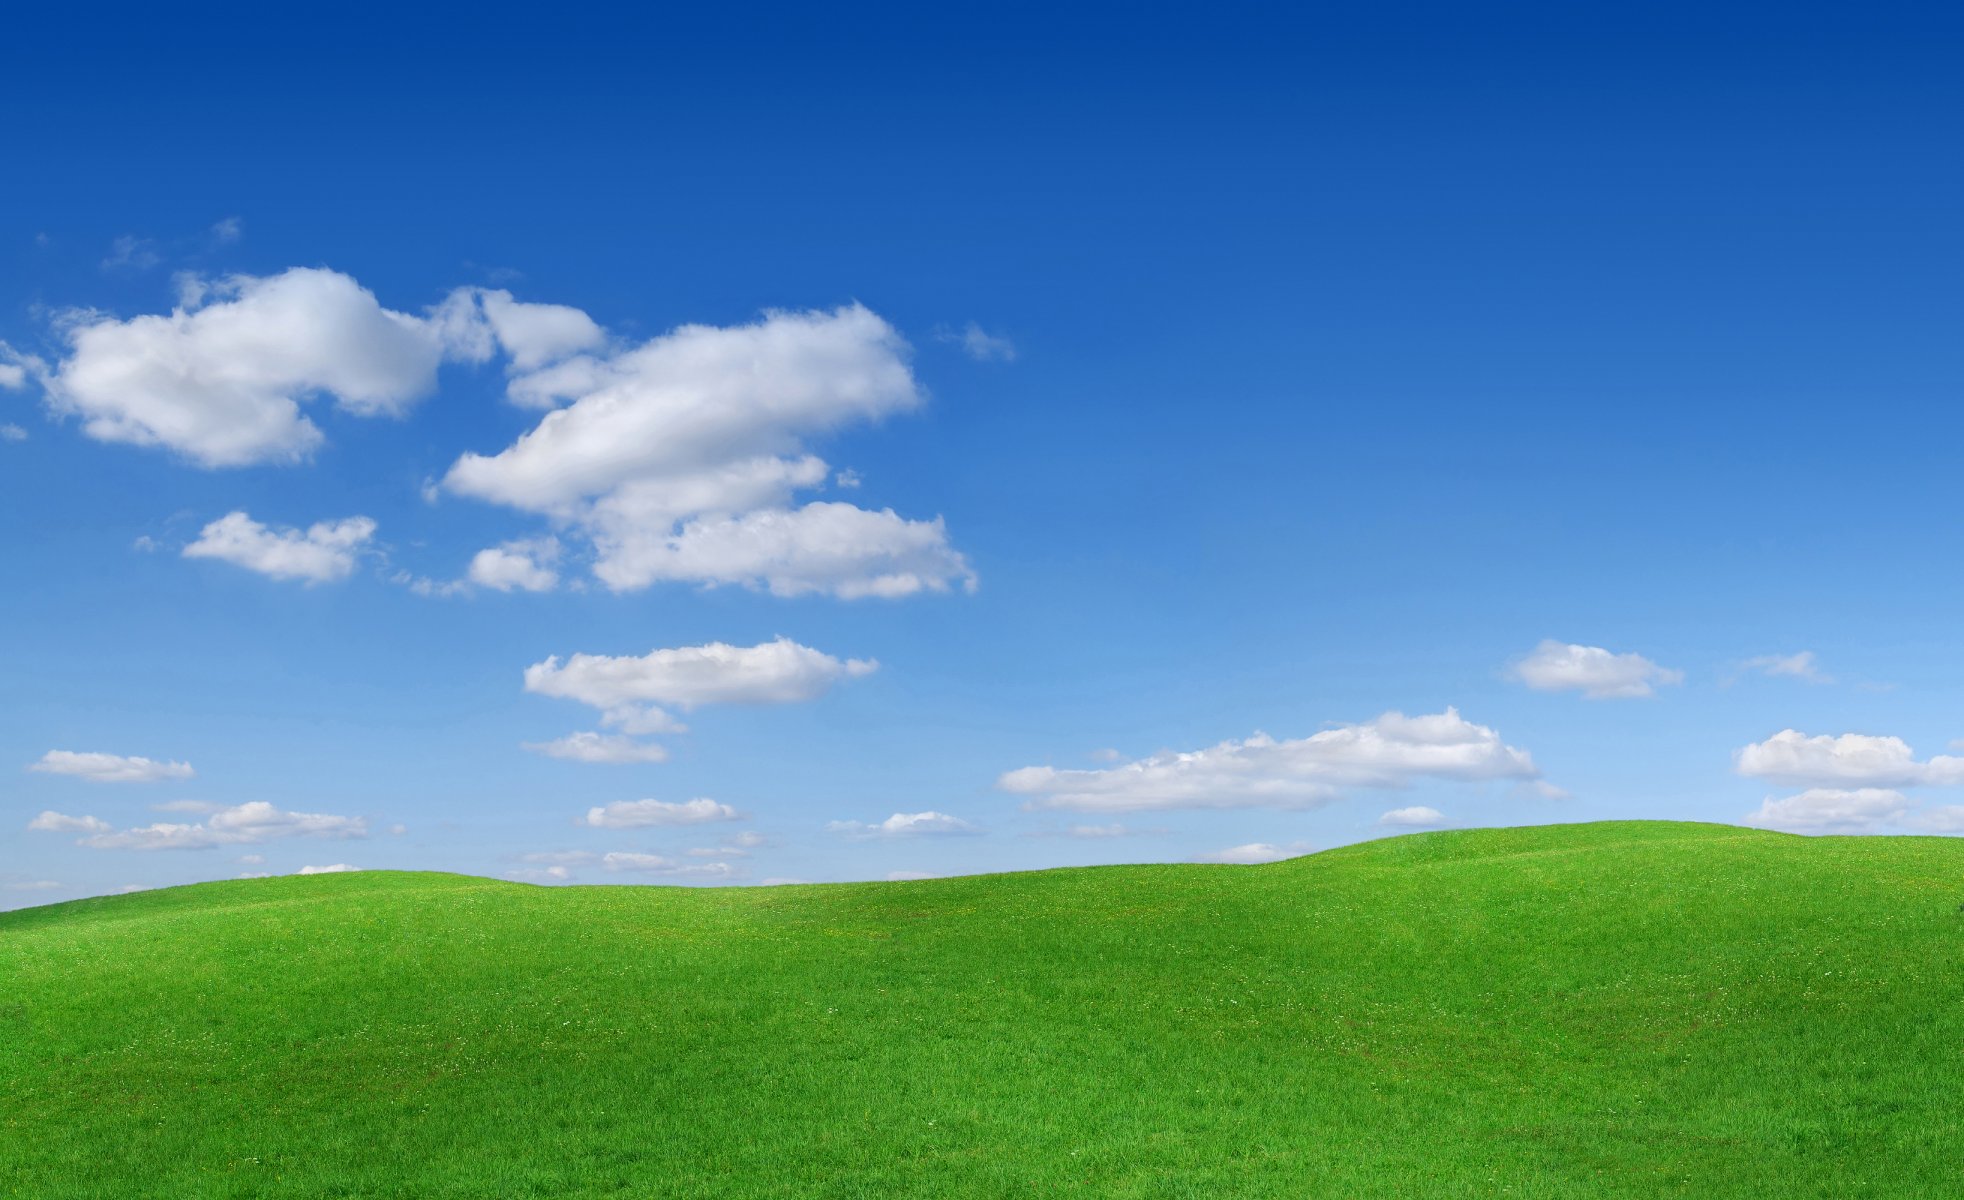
(1617, 1010)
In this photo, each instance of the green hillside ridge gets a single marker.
(1617, 1009)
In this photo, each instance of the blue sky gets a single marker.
(1266, 373)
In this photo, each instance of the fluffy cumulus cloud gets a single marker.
(1833, 810)
(225, 379)
(1850, 760)
(109, 768)
(639, 814)
(1255, 853)
(590, 746)
(330, 869)
(222, 379)
(1597, 673)
(1391, 751)
(525, 565)
(680, 457)
(629, 690)
(1417, 816)
(241, 824)
(902, 825)
(534, 335)
(322, 553)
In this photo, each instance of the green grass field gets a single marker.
(1623, 1009)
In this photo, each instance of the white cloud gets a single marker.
(637, 814)
(1850, 760)
(540, 874)
(229, 230)
(775, 672)
(110, 768)
(17, 368)
(1256, 852)
(658, 865)
(825, 547)
(561, 858)
(1388, 752)
(525, 564)
(12, 433)
(322, 553)
(54, 822)
(1595, 672)
(257, 821)
(537, 334)
(199, 807)
(332, 869)
(679, 457)
(222, 378)
(591, 747)
(698, 399)
(1106, 831)
(1417, 817)
(1800, 666)
(1943, 818)
(739, 846)
(920, 824)
(979, 344)
(1832, 810)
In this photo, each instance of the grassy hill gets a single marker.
(1622, 1009)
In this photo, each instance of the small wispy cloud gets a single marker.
(978, 343)
(130, 253)
(1802, 666)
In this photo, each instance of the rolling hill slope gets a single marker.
(1620, 1009)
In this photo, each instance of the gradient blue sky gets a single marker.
(1331, 361)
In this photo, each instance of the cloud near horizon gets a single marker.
(1390, 751)
(241, 824)
(1850, 760)
(1256, 853)
(906, 825)
(639, 814)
